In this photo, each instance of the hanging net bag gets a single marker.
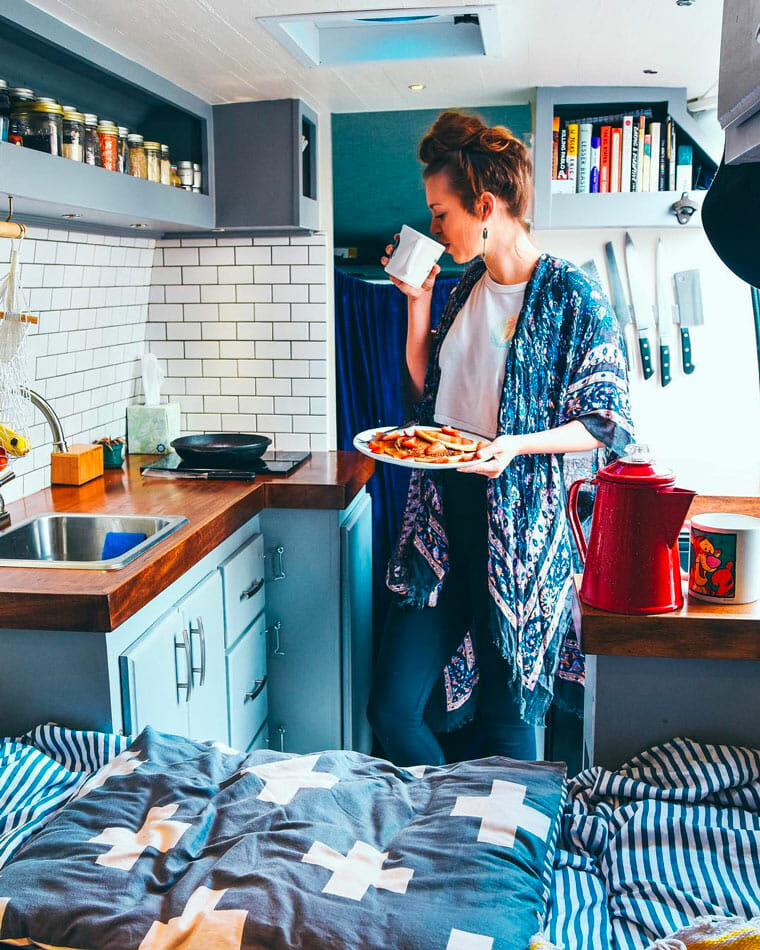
(15, 376)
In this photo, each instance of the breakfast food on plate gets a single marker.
(436, 444)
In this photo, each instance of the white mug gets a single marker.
(724, 558)
(414, 257)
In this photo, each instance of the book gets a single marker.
(555, 146)
(654, 156)
(561, 184)
(635, 153)
(661, 169)
(646, 163)
(584, 158)
(572, 154)
(593, 182)
(642, 134)
(684, 161)
(615, 158)
(672, 155)
(625, 158)
(604, 159)
(616, 119)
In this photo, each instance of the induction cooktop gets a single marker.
(270, 463)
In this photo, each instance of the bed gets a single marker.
(163, 842)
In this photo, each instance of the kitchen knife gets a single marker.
(690, 314)
(222, 475)
(642, 310)
(665, 312)
(619, 303)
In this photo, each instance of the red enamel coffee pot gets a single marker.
(631, 563)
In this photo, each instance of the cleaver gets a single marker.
(690, 314)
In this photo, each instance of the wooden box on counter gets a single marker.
(80, 464)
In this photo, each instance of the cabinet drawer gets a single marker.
(261, 741)
(246, 682)
(243, 579)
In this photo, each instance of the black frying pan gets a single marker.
(221, 448)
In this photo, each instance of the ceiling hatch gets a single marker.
(363, 36)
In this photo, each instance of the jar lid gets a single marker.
(3, 84)
(90, 118)
(196, 166)
(51, 108)
(20, 92)
(48, 99)
(134, 138)
(636, 467)
(153, 146)
(164, 149)
(123, 131)
(105, 126)
(72, 115)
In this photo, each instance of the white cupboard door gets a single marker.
(204, 622)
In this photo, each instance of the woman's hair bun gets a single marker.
(458, 132)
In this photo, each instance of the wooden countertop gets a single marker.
(53, 599)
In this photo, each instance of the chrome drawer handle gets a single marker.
(258, 687)
(202, 633)
(185, 645)
(275, 629)
(252, 590)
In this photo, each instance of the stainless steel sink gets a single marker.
(76, 540)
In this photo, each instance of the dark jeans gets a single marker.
(417, 644)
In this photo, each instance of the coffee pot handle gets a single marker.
(575, 521)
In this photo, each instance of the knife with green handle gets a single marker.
(690, 314)
(665, 313)
(642, 309)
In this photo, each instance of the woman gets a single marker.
(527, 354)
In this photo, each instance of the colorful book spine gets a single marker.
(555, 146)
(661, 166)
(584, 158)
(604, 159)
(561, 183)
(635, 155)
(654, 156)
(646, 163)
(616, 149)
(572, 155)
(672, 157)
(626, 156)
(642, 134)
(593, 182)
(684, 162)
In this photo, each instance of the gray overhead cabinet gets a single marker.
(266, 166)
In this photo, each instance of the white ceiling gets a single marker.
(217, 50)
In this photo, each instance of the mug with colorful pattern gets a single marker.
(724, 558)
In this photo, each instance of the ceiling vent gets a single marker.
(363, 36)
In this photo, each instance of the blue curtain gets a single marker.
(372, 390)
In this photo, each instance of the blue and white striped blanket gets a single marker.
(672, 836)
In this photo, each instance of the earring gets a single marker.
(485, 235)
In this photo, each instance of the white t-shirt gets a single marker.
(473, 357)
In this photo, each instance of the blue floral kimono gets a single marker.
(566, 362)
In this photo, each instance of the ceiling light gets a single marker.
(651, 72)
(416, 86)
(217, 229)
(71, 216)
(684, 3)
(138, 225)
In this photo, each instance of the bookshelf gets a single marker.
(618, 209)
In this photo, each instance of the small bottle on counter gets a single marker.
(5, 110)
(108, 137)
(92, 154)
(185, 172)
(166, 166)
(138, 167)
(123, 163)
(197, 178)
(73, 134)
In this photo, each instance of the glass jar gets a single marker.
(137, 165)
(166, 166)
(176, 183)
(153, 160)
(91, 141)
(197, 178)
(185, 172)
(73, 134)
(108, 137)
(5, 110)
(123, 149)
(38, 125)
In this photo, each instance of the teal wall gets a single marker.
(377, 178)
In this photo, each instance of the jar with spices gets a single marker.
(108, 137)
(138, 167)
(91, 141)
(197, 178)
(38, 125)
(123, 150)
(5, 110)
(153, 160)
(18, 95)
(73, 134)
(176, 183)
(185, 172)
(166, 167)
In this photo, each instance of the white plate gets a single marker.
(362, 440)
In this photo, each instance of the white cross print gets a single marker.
(360, 869)
(200, 927)
(126, 845)
(124, 764)
(285, 777)
(417, 770)
(503, 812)
(465, 940)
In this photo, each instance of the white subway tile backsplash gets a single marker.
(290, 293)
(308, 274)
(237, 274)
(180, 256)
(271, 275)
(253, 255)
(182, 293)
(199, 275)
(255, 293)
(272, 311)
(290, 255)
(276, 387)
(217, 293)
(217, 255)
(272, 349)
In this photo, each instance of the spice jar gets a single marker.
(138, 166)
(18, 95)
(176, 183)
(91, 141)
(196, 177)
(185, 172)
(38, 125)
(108, 137)
(153, 160)
(166, 167)
(5, 110)
(73, 134)
(123, 150)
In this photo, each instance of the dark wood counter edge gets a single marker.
(137, 584)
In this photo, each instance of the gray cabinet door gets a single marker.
(203, 619)
(155, 673)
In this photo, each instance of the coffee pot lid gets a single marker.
(637, 467)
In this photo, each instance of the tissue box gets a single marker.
(151, 429)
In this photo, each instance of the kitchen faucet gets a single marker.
(59, 442)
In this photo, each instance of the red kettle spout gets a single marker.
(674, 506)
